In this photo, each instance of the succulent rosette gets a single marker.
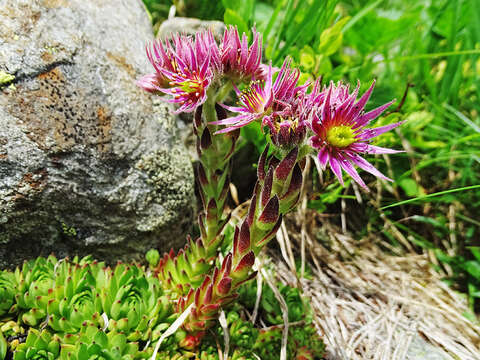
(39, 345)
(93, 343)
(73, 299)
(132, 301)
(273, 312)
(33, 283)
(14, 332)
(3, 346)
(341, 135)
(304, 343)
(243, 334)
(7, 291)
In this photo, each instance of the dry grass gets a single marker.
(372, 305)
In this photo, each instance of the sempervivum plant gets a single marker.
(301, 120)
(93, 343)
(106, 312)
(12, 331)
(73, 298)
(40, 345)
(33, 283)
(295, 304)
(7, 291)
(132, 302)
(242, 333)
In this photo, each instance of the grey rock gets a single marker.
(419, 349)
(89, 163)
(189, 26)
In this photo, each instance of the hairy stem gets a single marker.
(180, 272)
(276, 193)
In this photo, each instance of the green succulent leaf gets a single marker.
(7, 291)
(40, 345)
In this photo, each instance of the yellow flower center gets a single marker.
(253, 99)
(191, 86)
(340, 136)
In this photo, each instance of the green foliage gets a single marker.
(439, 55)
(7, 291)
(93, 343)
(159, 9)
(33, 283)
(297, 310)
(40, 345)
(5, 78)
(152, 256)
(68, 230)
(81, 309)
(303, 344)
(303, 339)
(466, 270)
(242, 333)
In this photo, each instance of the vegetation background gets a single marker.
(424, 53)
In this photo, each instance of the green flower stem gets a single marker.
(209, 107)
(224, 91)
(187, 269)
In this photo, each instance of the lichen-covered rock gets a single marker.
(190, 26)
(89, 163)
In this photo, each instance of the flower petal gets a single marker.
(336, 166)
(360, 105)
(323, 157)
(232, 120)
(236, 126)
(348, 167)
(372, 149)
(371, 133)
(365, 165)
(373, 114)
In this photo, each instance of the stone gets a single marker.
(189, 26)
(89, 163)
(420, 349)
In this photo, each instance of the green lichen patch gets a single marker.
(5, 78)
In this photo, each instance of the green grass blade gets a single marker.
(360, 15)
(463, 117)
(433, 55)
(430, 196)
(272, 21)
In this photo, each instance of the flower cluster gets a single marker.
(186, 68)
(205, 77)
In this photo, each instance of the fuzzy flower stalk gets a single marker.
(276, 193)
(200, 75)
(196, 73)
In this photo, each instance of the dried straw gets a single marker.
(369, 304)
